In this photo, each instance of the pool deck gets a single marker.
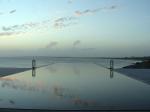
(44, 110)
(10, 71)
(142, 75)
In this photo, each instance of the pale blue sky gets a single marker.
(75, 27)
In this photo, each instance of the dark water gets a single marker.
(72, 85)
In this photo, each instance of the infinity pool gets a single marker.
(73, 86)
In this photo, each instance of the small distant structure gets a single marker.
(33, 67)
(111, 64)
(111, 68)
(33, 63)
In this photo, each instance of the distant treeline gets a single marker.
(135, 58)
(56, 57)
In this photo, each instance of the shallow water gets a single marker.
(73, 86)
(26, 62)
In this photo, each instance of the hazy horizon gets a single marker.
(74, 28)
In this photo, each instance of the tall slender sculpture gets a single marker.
(111, 68)
(33, 67)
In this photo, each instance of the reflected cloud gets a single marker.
(76, 70)
(52, 69)
(12, 102)
(79, 101)
(17, 84)
(64, 93)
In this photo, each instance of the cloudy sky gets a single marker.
(75, 27)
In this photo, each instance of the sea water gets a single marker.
(71, 85)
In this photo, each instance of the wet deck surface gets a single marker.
(9, 71)
(142, 75)
(72, 86)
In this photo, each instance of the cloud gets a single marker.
(76, 43)
(88, 11)
(21, 27)
(12, 11)
(59, 25)
(8, 33)
(62, 19)
(1, 13)
(65, 19)
(11, 28)
(92, 11)
(30, 25)
(113, 7)
(52, 44)
(70, 1)
(6, 28)
(62, 25)
(65, 22)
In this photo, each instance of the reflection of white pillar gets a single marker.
(111, 73)
(33, 72)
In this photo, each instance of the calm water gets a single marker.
(79, 84)
(26, 61)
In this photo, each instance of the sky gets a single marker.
(95, 28)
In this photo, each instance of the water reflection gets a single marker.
(64, 93)
(81, 102)
(11, 102)
(58, 87)
(76, 70)
(33, 72)
(52, 69)
(111, 73)
(17, 84)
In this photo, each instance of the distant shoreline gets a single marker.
(122, 58)
(139, 65)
